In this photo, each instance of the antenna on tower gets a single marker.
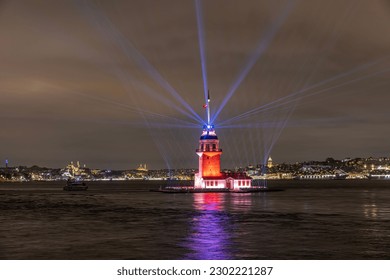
(208, 107)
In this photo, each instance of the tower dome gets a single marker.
(208, 133)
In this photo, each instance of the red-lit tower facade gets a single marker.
(209, 152)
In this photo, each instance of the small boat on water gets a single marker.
(379, 175)
(72, 185)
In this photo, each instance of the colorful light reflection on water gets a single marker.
(210, 235)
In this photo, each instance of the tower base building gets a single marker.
(210, 176)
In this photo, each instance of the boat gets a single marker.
(314, 176)
(75, 186)
(379, 175)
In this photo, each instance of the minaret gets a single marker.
(209, 153)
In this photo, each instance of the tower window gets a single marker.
(214, 147)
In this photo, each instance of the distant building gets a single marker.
(74, 170)
(269, 162)
(142, 167)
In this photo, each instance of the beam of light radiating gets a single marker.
(367, 76)
(58, 32)
(162, 150)
(274, 103)
(335, 36)
(179, 122)
(260, 49)
(110, 33)
(300, 123)
(275, 136)
(321, 91)
(104, 25)
(160, 124)
(269, 124)
(126, 80)
(270, 139)
(201, 38)
(271, 131)
(289, 98)
(165, 147)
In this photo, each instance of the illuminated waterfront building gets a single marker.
(142, 167)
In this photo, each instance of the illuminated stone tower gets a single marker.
(210, 176)
(209, 153)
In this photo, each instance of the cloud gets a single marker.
(66, 90)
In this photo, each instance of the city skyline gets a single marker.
(117, 84)
(381, 163)
(329, 169)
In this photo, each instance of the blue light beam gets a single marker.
(260, 49)
(201, 38)
(128, 82)
(295, 95)
(105, 26)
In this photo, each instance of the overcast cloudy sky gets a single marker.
(117, 83)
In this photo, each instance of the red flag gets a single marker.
(205, 106)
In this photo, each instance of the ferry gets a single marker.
(338, 176)
(379, 175)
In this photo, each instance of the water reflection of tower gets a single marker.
(209, 237)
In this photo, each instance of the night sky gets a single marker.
(117, 83)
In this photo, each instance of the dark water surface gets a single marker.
(122, 220)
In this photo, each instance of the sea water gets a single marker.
(347, 219)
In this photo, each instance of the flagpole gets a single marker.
(208, 108)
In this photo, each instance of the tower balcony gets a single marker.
(208, 150)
